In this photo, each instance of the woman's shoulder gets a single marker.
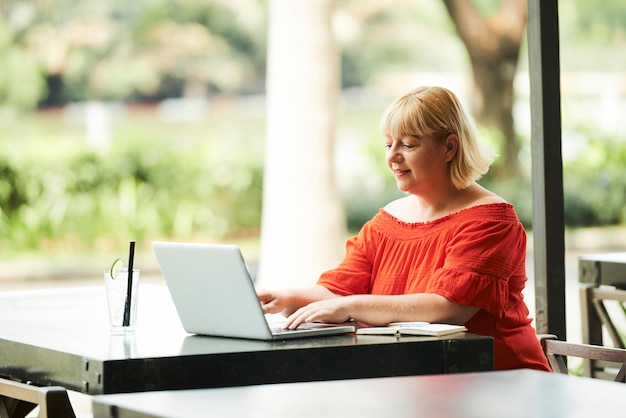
(494, 201)
(398, 204)
(478, 195)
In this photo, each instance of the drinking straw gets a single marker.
(129, 287)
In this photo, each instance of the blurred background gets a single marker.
(151, 120)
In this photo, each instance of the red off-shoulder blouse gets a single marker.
(475, 257)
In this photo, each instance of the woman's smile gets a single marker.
(400, 173)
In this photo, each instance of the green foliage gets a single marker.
(363, 203)
(156, 183)
(21, 78)
(594, 183)
(404, 39)
(141, 187)
(116, 50)
(592, 33)
(599, 22)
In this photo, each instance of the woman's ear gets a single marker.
(452, 146)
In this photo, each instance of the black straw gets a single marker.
(129, 287)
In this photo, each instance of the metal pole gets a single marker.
(547, 167)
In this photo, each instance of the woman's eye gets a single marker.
(405, 145)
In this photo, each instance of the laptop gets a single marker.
(214, 294)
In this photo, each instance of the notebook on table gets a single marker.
(214, 294)
(413, 328)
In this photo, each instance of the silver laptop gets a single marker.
(214, 294)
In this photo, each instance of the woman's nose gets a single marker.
(393, 154)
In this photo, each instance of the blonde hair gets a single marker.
(437, 111)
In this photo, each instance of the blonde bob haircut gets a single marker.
(437, 112)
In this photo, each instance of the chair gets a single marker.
(557, 351)
(17, 400)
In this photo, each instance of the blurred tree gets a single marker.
(126, 50)
(203, 47)
(493, 43)
(593, 35)
(382, 39)
(303, 228)
(21, 80)
(605, 22)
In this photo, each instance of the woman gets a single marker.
(448, 252)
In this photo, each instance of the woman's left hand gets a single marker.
(332, 311)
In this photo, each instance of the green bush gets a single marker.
(595, 184)
(139, 188)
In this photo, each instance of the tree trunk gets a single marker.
(303, 226)
(493, 45)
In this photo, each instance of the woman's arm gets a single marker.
(380, 310)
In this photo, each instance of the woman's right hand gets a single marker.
(273, 301)
(287, 301)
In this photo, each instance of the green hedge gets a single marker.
(594, 185)
(137, 189)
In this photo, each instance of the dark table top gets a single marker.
(61, 337)
(495, 394)
(603, 269)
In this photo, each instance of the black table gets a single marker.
(61, 337)
(513, 393)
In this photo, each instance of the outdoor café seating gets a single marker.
(613, 359)
(17, 400)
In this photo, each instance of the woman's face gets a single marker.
(418, 162)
